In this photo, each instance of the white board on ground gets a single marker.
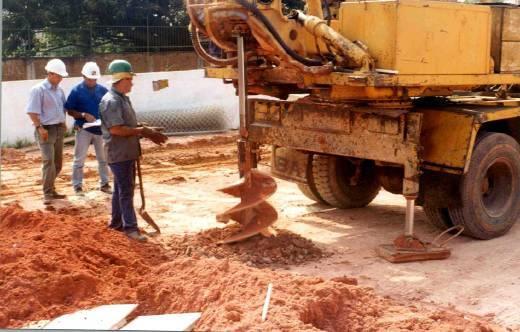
(105, 317)
(169, 322)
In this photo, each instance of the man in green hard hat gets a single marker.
(121, 135)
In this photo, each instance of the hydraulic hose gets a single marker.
(356, 55)
(204, 55)
(256, 12)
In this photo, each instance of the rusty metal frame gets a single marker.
(340, 129)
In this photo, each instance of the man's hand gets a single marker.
(89, 117)
(44, 134)
(154, 136)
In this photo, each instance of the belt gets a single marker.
(52, 125)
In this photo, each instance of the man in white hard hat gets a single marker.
(45, 108)
(83, 105)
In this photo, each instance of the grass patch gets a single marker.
(69, 133)
(18, 144)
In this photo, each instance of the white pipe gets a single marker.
(266, 302)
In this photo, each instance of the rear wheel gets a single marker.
(490, 191)
(342, 184)
(438, 217)
(309, 189)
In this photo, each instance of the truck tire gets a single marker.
(331, 176)
(309, 193)
(438, 217)
(309, 189)
(490, 191)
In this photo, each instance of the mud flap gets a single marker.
(289, 164)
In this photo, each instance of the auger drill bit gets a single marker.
(253, 212)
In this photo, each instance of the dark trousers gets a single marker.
(123, 213)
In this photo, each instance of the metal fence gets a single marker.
(93, 40)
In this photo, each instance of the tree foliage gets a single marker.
(43, 27)
(74, 13)
(89, 23)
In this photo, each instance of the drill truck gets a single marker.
(416, 97)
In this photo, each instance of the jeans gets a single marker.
(52, 156)
(83, 141)
(123, 214)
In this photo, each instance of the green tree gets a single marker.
(87, 21)
(294, 4)
(79, 27)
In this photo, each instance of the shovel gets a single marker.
(142, 211)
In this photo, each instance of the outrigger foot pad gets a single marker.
(409, 248)
(394, 254)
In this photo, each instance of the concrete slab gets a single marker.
(36, 325)
(169, 322)
(105, 317)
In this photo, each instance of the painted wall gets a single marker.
(187, 89)
(34, 68)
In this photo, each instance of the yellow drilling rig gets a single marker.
(416, 97)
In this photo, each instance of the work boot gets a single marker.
(116, 228)
(55, 195)
(47, 200)
(135, 235)
(79, 191)
(106, 188)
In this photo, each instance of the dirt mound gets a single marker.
(197, 142)
(174, 180)
(231, 297)
(191, 142)
(286, 248)
(10, 156)
(53, 264)
(198, 158)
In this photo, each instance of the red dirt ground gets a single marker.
(52, 264)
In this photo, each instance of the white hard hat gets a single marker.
(91, 70)
(56, 66)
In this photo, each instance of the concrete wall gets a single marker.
(187, 89)
(34, 68)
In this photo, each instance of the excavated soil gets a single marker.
(53, 264)
(286, 248)
(65, 259)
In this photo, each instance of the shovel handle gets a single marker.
(141, 189)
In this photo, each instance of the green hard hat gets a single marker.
(120, 69)
(119, 66)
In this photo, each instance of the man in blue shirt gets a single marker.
(83, 105)
(45, 108)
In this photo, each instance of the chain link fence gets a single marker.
(59, 42)
(194, 119)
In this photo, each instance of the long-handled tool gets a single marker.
(253, 212)
(142, 209)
